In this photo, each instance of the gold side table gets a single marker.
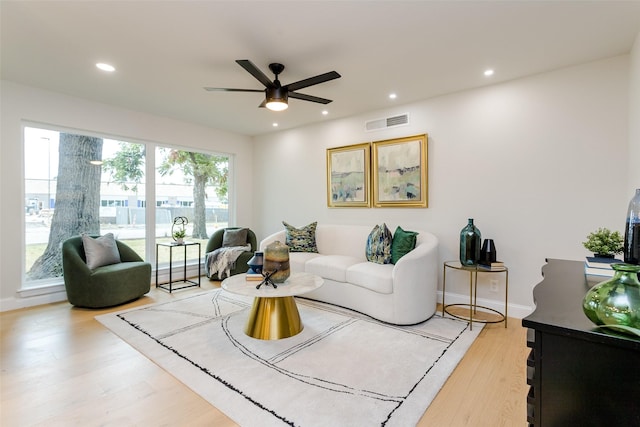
(274, 314)
(473, 271)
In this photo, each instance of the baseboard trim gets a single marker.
(16, 303)
(514, 310)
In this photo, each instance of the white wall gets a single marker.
(538, 162)
(25, 103)
(634, 119)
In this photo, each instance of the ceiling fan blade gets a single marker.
(227, 89)
(313, 81)
(263, 104)
(309, 98)
(255, 72)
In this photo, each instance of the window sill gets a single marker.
(41, 289)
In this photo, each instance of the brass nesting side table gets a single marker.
(473, 271)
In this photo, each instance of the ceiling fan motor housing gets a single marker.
(276, 94)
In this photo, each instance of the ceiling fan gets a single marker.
(276, 95)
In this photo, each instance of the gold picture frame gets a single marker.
(400, 172)
(349, 176)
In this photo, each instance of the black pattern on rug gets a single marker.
(214, 320)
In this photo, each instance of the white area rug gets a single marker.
(343, 369)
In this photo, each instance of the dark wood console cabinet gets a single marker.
(578, 376)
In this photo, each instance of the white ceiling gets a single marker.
(166, 51)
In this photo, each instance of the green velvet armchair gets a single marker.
(215, 242)
(104, 286)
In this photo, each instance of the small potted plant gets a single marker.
(604, 243)
(179, 235)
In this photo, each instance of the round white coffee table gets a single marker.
(274, 314)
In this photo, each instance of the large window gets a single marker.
(191, 185)
(77, 183)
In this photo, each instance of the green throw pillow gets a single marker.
(301, 239)
(378, 248)
(234, 237)
(403, 243)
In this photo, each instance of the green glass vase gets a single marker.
(470, 239)
(616, 302)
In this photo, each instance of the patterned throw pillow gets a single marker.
(301, 239)
(379, 245)
(403, 243)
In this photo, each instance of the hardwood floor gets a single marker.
(60, 367)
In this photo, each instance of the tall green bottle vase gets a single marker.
(470, 240)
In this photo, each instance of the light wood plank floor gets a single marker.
(60, 367)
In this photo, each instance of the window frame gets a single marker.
(56, 284)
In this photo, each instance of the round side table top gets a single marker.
(296, 284)
(458, 266)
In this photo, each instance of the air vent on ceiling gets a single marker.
(377, 124)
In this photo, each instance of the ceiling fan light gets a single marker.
(276, 99)
(277, 105)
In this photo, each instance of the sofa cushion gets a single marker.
(298, 260)
(333, 267)
(378, 247)
(234, 237)
(100, 251)
(301, 239)
(403, 243)
(342, 240)
(369, 275)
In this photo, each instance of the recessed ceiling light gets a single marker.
(275, 125)
(488, 72)
(392, 96)
(106, 67)
(325, 112)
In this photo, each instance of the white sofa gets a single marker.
(401, 294)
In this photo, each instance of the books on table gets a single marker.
(597, 266)
(494, 265)
(598, 262)
(254, 276)
(593, 271)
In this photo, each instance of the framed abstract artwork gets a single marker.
(348, 176)
(400, 172)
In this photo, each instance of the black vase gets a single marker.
(470, 239)
(632, 231)
(488, 253)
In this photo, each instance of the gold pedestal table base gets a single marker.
(274, 314)
(273, 318)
